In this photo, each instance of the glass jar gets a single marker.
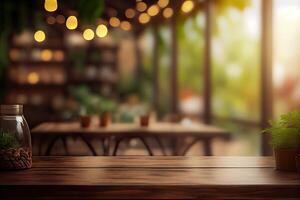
(15, 139)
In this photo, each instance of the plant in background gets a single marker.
(92, 103)
(285, 134)
(286, 131)
(8, 141)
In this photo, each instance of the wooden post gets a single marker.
(138, 69)
(155, 69)
(173, 68)
(266, 72)
(207, 63)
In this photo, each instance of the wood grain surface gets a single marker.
(138, 177)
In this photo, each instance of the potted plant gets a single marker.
(105, 109)
(12, 154)
(285, 134)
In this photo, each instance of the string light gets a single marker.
(141, 6)
(39, 36)
(168, 12)
(88, 34)
(50, 5)
(101, 31)
(162, 3)
(114, 22)
(153, 10)
(125, 25)
(144, 18)
(71, 22)
(130, 13)
(187, 6)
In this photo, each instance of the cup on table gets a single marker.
(85, 121)
(144, 120)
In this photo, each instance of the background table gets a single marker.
(120, 132)
(150, 177)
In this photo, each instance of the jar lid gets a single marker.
(11, 109)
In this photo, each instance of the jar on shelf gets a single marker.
(15, 139)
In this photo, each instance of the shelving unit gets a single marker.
(39, 75)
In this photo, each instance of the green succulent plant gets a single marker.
(285, 131)
(8, 140)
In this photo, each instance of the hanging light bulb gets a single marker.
(71, 22)
(153, 10)
(50, 5)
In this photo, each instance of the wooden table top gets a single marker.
(137, 177)
(131, 129)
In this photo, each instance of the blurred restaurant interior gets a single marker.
(226, 66)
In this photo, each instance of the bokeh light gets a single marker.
(144, 18)
(168, 12)
(88, 34)
(71, 22)
(46, 55)
(39, 36)
(50, 5)
(163, 3)
(130, 13)
(60, 19)
(125, 25)
(101, 30)
(187, 6)
(33, 78)
(141, 6)
(51, 20)
(153, 10)
(114, 22)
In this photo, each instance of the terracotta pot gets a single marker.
(298, 162)
(104, 119)
(144, 120)
(85, 121)
(285, 159)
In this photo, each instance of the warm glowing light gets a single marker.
(101, 31)
(163, 3)
(114, 22)
(144, 18)
(33, 78)
(153, 10)
(71, 22)
(39, 36)
(168, 12)
(141, 6)
(130, 13)
(187, 6)
(88, 34)
(60, 19)
(58, 55)
(51, 20)
(125, 25)
(50, 5)
(46, 55)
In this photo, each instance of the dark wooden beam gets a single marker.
(207, 115)
(155, 56)
(266, 72)
(173, 68)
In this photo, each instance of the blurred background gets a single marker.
(230, 63)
